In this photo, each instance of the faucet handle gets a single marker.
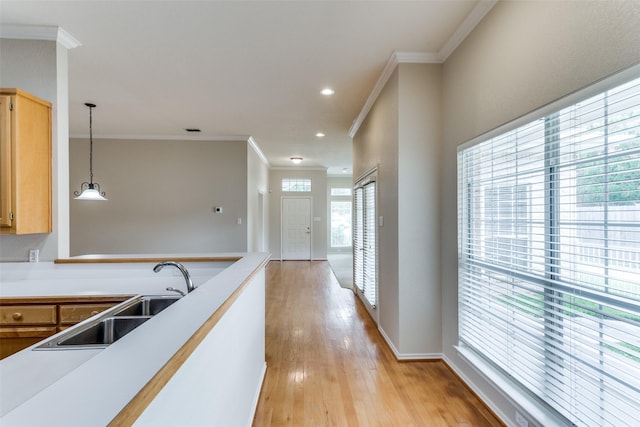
(172, 289)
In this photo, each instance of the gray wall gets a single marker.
(318, 208)
(522, 56)
(40, 68)
(161, 195)
(401, 137)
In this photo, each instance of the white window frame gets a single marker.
(560, 380)
(296, 185)
(365, 235)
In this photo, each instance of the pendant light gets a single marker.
(90, 190)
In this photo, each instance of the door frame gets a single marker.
(311, 229)
(371, 176)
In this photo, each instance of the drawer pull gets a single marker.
(94, 312)
(17, 316)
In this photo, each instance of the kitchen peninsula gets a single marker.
(199, 362)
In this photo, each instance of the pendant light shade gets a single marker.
(90, 190)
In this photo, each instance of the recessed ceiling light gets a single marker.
(327, 91)
(296, 160)
(320, 135)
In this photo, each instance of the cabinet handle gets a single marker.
(94, 312)
(17, 316)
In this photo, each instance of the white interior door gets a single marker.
(296, 228)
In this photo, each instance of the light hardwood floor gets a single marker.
(327, 364)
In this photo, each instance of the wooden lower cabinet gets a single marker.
(26, 321)
(12, 340)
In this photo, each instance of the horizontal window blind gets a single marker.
(358, 238)
(549, 256)
(369, 261)
(365, 276)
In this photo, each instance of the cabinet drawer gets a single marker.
(28, 315)
(74, 313)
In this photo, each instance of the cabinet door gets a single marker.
(5, 161)
(15, 339)
(25, 160)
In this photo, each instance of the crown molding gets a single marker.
(470, 22)
(395, 59)
(210, 138)
(294, 168)
(219, 138)
(39, 32)
(253, 144)
(416, 58)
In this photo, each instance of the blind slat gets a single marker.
(549, 256)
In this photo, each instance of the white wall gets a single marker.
(401, 137)
(257, 203)
(522, 56)
(219, 384)
(418, 209)
(160, 196)
(318, 208)
(375, 145)
(40, 68)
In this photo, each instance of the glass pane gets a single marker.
(340, 224)
(296, 184)
(549, 256)
(340, 191)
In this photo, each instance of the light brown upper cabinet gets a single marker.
(25, 163)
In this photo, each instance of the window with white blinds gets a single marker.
(364, 241)
(549, 256)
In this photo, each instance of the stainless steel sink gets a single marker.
(109, 326)
(97, 334)
(145, 305)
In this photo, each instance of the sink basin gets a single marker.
(98, 334)
(145, 305)
(109, 326)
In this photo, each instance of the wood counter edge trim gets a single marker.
(136, 406)
(141, 260)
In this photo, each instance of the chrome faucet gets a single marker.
(184, 272)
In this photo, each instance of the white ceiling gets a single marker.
(239, 68)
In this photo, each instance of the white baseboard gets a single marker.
(408, 356)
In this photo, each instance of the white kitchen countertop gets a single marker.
(89, 387)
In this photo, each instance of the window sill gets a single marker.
(534, 411)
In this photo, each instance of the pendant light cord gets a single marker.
(90, 142)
